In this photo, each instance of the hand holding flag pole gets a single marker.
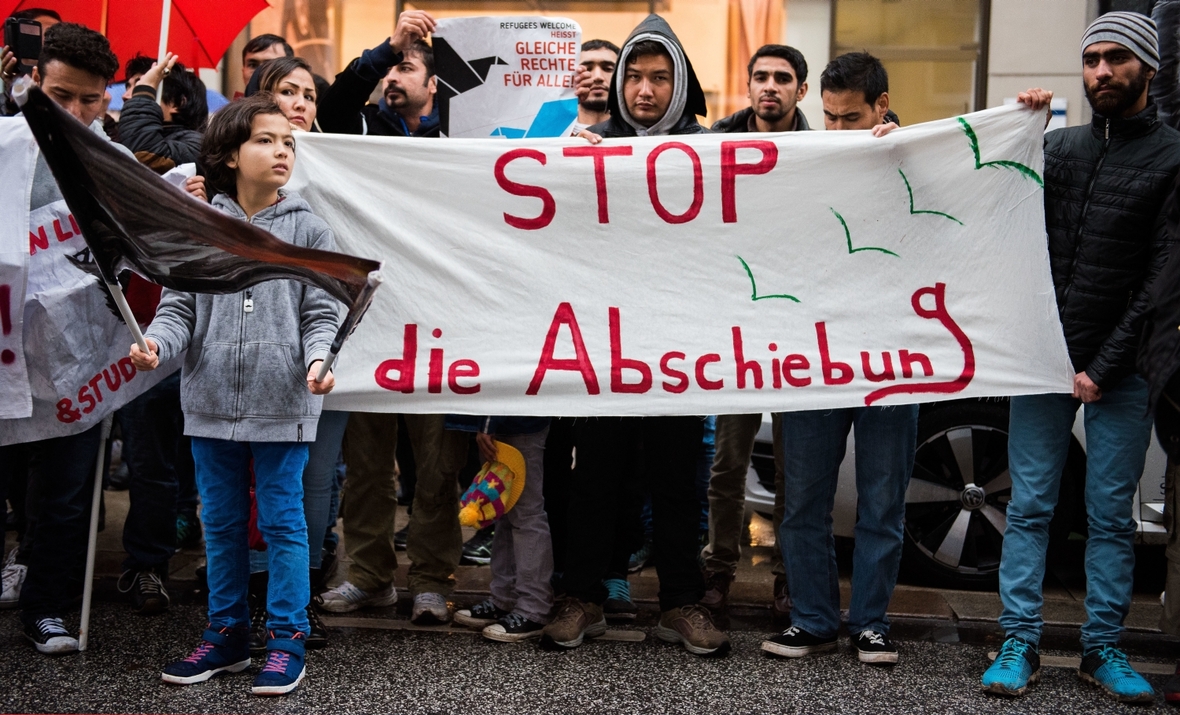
(349, 323)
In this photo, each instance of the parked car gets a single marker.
(959, 491)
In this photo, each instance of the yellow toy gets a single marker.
(495, 489)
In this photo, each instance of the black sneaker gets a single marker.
(148, 594)
(874, 648)
(796, 643)
(258, 633)
(478, 549)
(319, 634)
(49, 636)
(481, 615)
(400, 538)
(513, 628)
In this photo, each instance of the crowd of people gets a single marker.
(240, 431)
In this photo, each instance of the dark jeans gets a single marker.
(63, 470)
(618, 459)
(160, 459)
(559, 474)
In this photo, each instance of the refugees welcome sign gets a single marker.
(695, 275)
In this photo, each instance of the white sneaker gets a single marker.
(430, 609)
(12, 577)
(346, 597)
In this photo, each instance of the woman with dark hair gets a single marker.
(293, 85)
(167, 133)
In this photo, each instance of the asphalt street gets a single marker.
(386, 668)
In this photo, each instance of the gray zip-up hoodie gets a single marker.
(245, 375)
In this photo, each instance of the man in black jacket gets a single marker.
(407, 107)
(1105, 187)
(654, 92)
(777, 81)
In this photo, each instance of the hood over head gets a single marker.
(687, 95)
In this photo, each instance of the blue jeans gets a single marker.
(223, 479)
(814, 443)
(319, 477)
(1118, 431)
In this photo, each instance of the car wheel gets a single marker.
(958, 495)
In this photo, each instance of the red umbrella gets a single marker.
(199, 31)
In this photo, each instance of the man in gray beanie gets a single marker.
(1105, 187)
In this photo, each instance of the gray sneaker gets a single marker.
(430, 609)
(347, 597)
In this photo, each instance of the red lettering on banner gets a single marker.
(704, 382)
(885, 374)
(908, 359)
(698, 184)
(618, 363)
(579, 363)
(127, 368)
(548, 206)
(829, 367)
(434, 372)
(744, 365)
(112, 377)
(794, 362)
(38, 240)
(404, 366)
(730, 170)
(461, 369)
(599, 153)
(84, 396)
(62, 237)
(681, 378)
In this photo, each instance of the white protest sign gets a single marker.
(506, 76)
(708, 274)
(75, 347)
(16, 176)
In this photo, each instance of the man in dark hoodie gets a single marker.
(407, 106)
(653, 92)
(777, 81)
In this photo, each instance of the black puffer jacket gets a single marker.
(694, 104)
(158, 144)
(1105, 187)
(742, 121)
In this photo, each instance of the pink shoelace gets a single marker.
(276, 662)
(201, 651)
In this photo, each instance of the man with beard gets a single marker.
(595, 68)
(1105, 187)
(777, 80)
(407, 107)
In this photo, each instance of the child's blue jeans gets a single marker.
(223, 479)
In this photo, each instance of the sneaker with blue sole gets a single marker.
(1017, 666)
(1107, 667)
(285, 666)
(222, 650)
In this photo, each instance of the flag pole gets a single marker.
(165, 20)
(128, 316)
(92, 544)
(358, 310)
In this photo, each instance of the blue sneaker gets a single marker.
(284, 668)
(1017, 666)
(1107, 667)
(224, 650)
(618, 603)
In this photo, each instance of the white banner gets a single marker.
(16, 177)
(695, 275)
(506, 77)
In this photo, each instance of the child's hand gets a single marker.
(319, 388)
(487, 446)
(145, 361)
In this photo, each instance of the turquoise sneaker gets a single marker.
(1107, 667)
(1017, 666)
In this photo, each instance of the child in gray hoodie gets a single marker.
(249, 394)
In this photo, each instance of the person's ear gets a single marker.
(1150, 74)
(37, 75)
(432, 85)
(883, 104)
(801, 92)
(232, 161)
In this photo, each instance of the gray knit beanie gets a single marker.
(1131, 30)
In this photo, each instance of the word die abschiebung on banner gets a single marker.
(694, 275)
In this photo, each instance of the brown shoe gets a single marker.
(575, 620)
(782, 601)
(693, 627)
(716, 590)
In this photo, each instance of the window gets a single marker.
(934, 51)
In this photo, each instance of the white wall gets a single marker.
(809, 30)
(1035, 44)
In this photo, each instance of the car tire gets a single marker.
(959, 492)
